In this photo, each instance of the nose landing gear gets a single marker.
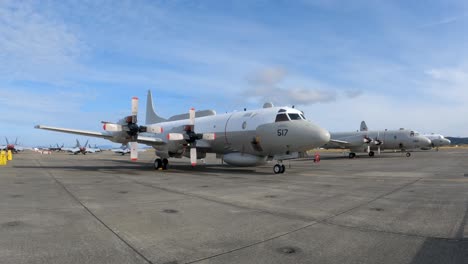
(161, 164)
(279, 168)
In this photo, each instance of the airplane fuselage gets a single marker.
(255, 132)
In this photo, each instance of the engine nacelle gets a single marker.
(239, 159)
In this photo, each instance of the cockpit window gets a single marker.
(281, 111)
(411, 134)
(303, 116)
(281, 118)
(294, 116)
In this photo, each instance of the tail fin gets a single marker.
(86, 144)
(77, 144)
(364, 126)
(8, 143)
(151, 116)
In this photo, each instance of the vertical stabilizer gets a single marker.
(77, 144)
(151, 116)
(364, 126)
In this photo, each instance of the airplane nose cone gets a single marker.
(316, 136)
(448, 142)
(325, 136)
(427, 142)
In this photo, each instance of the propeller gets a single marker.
(130, 126)
(191, 137)
(378, 142)
(367, 140)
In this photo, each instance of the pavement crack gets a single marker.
(95, 216)
(370, 201)
(283, 215)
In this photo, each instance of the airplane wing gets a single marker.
(105, 135)
(153, 141)
(335, 143)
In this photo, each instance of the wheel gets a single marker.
(408, 154)
(371, 154)
(352, 155)
(157, 164)
(277, 169)
(165, 163)
(283, 168)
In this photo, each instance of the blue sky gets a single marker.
(391, 63)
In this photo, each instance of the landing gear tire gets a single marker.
(158, 164)
(277, 169)
(371, 154)
(283, 168)
(352, 155)
(165, 164)
(408, 154)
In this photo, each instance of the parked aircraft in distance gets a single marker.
(78, 148)
(125, 149)
(57, 148)
(94, 149)
(247, 138)
(14, 147)
(437, 140)
(370, 141)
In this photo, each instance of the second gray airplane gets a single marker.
(378, 140)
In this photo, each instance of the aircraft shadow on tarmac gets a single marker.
(133, 168)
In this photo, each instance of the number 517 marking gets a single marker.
(282, 132)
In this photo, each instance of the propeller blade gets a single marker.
(134, 109)
(155, 129)
(192, 116)
(193, 156)
(133, 151)
(175, 136)
(209, 136)
(112, 127)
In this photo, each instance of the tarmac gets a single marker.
(103, 208)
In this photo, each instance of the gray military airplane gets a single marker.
(14, 147)
(370, 141)
(125, 149)
(247, 138)
(77, 148)
(437, 140)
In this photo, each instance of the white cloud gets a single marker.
(34, 47)
(270, 85)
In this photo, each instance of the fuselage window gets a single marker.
(294, 116)
(281, 118)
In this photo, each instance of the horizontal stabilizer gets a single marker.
(200, 113)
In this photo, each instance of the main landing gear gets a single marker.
(371, 153)
(161, 164)
(279, 168)
(352, 155)
(408, 154)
